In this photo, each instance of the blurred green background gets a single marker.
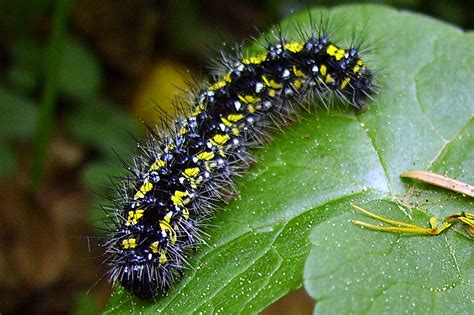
(79, 79)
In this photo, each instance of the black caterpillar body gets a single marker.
(179, 177)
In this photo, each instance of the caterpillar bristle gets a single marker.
(184, 171)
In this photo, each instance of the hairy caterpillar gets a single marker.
(179, 176)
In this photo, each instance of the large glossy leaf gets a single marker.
(307, 176)
(423, 120)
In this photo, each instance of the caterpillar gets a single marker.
(180, 175)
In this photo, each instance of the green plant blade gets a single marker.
(424, 121)
(306, 178)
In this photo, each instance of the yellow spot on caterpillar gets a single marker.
(271, 83)
(249, 99)
(329, 79)
(271, 93)
(146, 187)
(166, 226)
(298, 72)
(218, 85)
(255, 59)
(323, 69)
(205, 156)
(170, 147)
(331, 50)
(133, 216)
(227, 77)
(226, 122)
(360, 62)
(182, 131)
(130, 243)
(356, 69)
(163, 258)
(186, 213)
(219, 139)
(345, 82)
(191, 172)
(157, 165)
(235, 131)
(251, 109)
(179, 199)
(340, 54)
(231, 119)
(154, 247)
(335, 52)
(168, 217)
(294, 47)
(297, 84)
(235, 117)
(199, 109)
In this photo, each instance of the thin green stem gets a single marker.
(48, 99)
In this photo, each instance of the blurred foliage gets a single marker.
(16, 122)
(80, 75)
(18, 18)
(18, 116)
(102, 127)
(85, 304)
(117, 59)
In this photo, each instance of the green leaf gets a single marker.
(17, 118)
(24, 73)
(306, 178)
(104, 127)
(85, 304)
(79, 71)
(96, 175)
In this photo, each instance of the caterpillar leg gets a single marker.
(398, 226)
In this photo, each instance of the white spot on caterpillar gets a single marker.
(237, 105)
(278, 49)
